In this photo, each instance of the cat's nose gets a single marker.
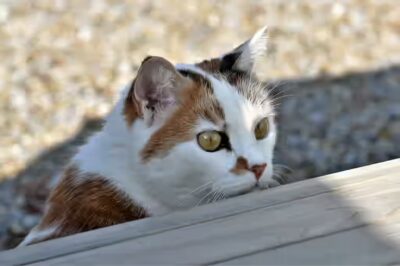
(258, 170)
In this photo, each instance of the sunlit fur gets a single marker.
(186, 174)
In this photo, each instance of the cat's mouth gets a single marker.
(255, 188)
(234, 191)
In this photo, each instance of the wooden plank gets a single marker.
(375, 203)
(360, 246)
(202, 214)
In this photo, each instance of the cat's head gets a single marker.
(209, 126)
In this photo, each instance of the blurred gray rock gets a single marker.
(331, 124)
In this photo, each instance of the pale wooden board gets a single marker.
(204, 214)
(267, 229)
(360, 246)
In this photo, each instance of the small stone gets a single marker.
(29, 221)
(16, 229)
(4, 13)
(3, 210)
(338, 10)
(395, 131)
(394, 112)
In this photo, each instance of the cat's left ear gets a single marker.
(157, 87)
(243, 57)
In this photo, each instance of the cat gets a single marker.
(178, 137)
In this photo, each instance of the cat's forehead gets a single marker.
(235, 92)
(232, 104)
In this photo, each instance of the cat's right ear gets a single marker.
(157, 87)
(243, 57)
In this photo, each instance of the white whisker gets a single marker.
(203, 198)
(199, 188)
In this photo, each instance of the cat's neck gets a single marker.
(113, 154)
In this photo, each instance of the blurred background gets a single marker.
(335, 65)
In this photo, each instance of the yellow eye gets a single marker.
(209, 140)
(262, 129)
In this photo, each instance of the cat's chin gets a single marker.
(237, 189)
(239, 192)
(242, 192)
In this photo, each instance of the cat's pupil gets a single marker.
(225, 143)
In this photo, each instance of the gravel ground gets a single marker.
(334, 64)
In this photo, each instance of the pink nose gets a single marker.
(258, 170)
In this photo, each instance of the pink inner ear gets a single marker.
(161, 103)
(168, 101)
(158, 84)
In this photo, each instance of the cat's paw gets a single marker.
(265, 183)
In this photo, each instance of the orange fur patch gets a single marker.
(241, 166)
(197, 101)
(132, 109)
(77, 205)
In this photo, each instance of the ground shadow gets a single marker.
(27, 191)
(326, 124)
(329, 124)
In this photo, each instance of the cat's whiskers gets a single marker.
(281, 173)
(275, 86)
(218, 194)
(210, 199)
(199, 189)
(278, 99)
(204, 197)
(282, 167)
(277, 92)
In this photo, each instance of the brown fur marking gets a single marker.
(197, 101)
(77, 205)
(234, 77)
(212, 65)
(132, 109)
(241, 167)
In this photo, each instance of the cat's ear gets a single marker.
(243, 57)
(157, 86)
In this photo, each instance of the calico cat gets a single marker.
(179, 136)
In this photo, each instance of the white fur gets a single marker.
(184, 176)
(253, 49)
(35, 235)
(187, 175)
(241, 117)
(113, 153)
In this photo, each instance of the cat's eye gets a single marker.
(262, 129)
(209, 140)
